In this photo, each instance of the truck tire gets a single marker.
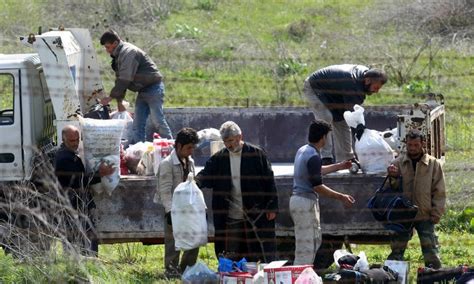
(324, 257)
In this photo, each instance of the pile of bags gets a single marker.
(373, 152)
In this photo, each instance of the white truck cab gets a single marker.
(41, 92)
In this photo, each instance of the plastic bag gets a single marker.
(199, 273)
(134, 153)
(308, 276)
(391, 137)
(188, 215)
(211, 134)
(356, 117)
(374, 154)
(146, 165)
(102, 143)
(361, 264)
(127, 132)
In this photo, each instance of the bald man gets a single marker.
(72, 176)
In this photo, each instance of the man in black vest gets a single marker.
(331, 91)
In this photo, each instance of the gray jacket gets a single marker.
(134, 70)
(170, 175)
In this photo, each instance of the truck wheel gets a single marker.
(324, 257)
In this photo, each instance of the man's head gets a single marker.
(318, 129)
(110, 40)
(185, 142)
(71, 137)
(374, 79)
(415, 141)
(232, 136)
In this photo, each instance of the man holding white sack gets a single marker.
(172, 171)
(72, 176)
(334, 89)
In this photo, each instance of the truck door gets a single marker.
(11, 159)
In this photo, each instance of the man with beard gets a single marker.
(422, 178)
(244, 198)
(330, 92)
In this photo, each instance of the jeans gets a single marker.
(428, 240)
(149, 102)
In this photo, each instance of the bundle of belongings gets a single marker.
(461, 274)
(355, 269)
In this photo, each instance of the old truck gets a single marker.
(40, 93)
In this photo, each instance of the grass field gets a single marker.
(136, 263)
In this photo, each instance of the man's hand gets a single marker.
(271, 215)
(105, 101)
(393, 171)
(121, 107)
(435, 219)
(344, 165)
(105, 169)
(347, 200)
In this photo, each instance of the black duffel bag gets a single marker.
(388, 205)
(428, 275)
(98, 111)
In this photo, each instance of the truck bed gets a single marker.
(129, 214)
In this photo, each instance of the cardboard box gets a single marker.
(276, 273)
(235, 278)
(402, 267)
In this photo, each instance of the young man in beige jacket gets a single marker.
(174, 170)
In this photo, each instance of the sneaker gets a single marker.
(327, 161)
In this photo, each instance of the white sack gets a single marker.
(127, 132)
(373, 152)
(308, 276)
(188, 216)
(356, 117)
(102, 144)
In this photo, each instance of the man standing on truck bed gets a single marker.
(172, 171)
(72, 176)
(422, 179)
(307, 187)
(244, 198)
(134, 70)
(331, 91)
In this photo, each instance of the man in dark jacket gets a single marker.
(333, 90)
(244, 198)
(134, 70)
(72, 176)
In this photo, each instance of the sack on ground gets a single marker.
(389, 206)
(308, 276)
(199, 273)
(188, 215)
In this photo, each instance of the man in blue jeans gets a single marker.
(134, 70)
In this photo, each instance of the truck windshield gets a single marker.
(6, 99)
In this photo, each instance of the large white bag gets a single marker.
(372, 150)
(188, 216)
(102, 144)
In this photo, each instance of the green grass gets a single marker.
(136, 263)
